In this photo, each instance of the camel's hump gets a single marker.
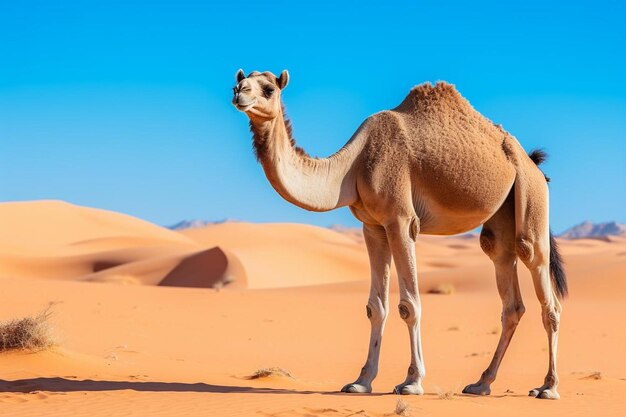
(439, 98)
(443, 101)
(441, 89)
(426, 96)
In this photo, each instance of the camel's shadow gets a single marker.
(59, 384)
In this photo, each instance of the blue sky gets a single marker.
(125, 105)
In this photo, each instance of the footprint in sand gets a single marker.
(13, 399)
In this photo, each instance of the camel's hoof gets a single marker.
(477, 389)
(414, 388)
(356, 389)
(549, 394)
(534, 392)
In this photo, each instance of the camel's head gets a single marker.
(258, 94)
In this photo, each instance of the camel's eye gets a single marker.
(268, 91)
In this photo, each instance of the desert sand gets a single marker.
(152, 322)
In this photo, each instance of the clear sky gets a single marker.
(125, 105)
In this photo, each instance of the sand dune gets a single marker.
(46, 225)
(80, 243)
(290, 296)
(287, 255)
(207, 268)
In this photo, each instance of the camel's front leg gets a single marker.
(377, 305)
(402, 235)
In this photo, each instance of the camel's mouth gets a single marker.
(245, 107)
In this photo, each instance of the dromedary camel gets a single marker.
(432, 165)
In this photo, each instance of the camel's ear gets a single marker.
(240, 75)
(283, 79)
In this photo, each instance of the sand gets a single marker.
(154, 322)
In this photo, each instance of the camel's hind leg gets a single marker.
(497, 240)
(377, 305)
(532, 243)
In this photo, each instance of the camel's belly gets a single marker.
(451, 225)
(459, 204)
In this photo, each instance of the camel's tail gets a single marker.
(559, 280)
(539, 156)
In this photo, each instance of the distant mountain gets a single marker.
(585, 230)
(594, 230)
(196, 223)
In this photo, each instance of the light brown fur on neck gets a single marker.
(310, 183)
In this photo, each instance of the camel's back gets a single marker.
(439, 115)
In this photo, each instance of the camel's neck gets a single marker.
(313, 184)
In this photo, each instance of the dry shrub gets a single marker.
(29, 333)
(594, 375)
(269, 372)
(445, 289)
(402, 409)
(446, 394)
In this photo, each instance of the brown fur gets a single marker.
(260, 139)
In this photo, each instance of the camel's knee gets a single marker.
(551, 319)
(551, 311)
(414, 228)
(409, 311)
(511, 316)
(376, 312)
(533, 252)
(524, 249)
(403, 227)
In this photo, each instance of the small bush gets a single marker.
(268, 372)
(29, 333)
(402, 409)
(445, 289)
(448, 394)
(594, 375)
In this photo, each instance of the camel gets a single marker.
(432, 165)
